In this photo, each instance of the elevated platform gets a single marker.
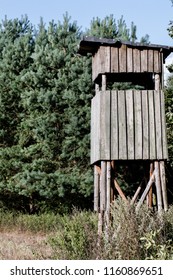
(128, 125)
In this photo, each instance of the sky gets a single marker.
(151, 17)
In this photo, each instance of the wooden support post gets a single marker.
(103, 82)
(112, 180)
(157, 81)
(163, 185)
(108, 198)
(150, 193)
(145, 191)
(158, 186)
(103, 186)
(102, 197)
(96, 188)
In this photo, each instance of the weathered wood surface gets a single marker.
(105, 125)
(114, 125)
(138, 143)
(145, 125)
(125, 59)
(163, 185)
(96, 188)
(95, 128)
(122, 126)
(128, 125)
(103, 186)
(158, 185)
(152, 132)
(151, 181)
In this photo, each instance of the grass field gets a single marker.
(142, 235)
(24, 246)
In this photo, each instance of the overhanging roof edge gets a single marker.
(90, 44)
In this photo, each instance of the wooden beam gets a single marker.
(136, 194)
(119, 190)
(150, 193)
(145, 191)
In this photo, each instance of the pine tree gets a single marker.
(111, 28)
(46, 90)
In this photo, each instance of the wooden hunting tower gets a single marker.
(127, 125)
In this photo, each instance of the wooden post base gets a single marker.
(106, 186)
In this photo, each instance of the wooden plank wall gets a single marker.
(128, 125)
(126, 59)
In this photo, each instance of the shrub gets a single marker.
(77, 238)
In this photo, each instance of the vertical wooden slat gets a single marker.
(161, 70)
(150, 61)
(96, 66)
(104, 55)
(96, 188)
(123, 58)
(95, 128)
(114, 126)
(163, 124)
(129, 59)
(163, 185)
(144, 61)
(152, 136)
(130, 124)
(137, 60)
(122, 125)
(156, 61)
(138, 124)
(145, 125)
(158, 186)
(114, 60)
(105, 148)
(158, 126)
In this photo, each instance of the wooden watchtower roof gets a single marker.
(116, 56)
(127, 124)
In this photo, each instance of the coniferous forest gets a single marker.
(45, 95)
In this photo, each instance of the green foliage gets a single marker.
(77, 238)
(154, 250)
(15, 221)
(142, 235)
(169, 105)
(112, 29)
(45, 95)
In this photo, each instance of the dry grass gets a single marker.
(24, 246)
